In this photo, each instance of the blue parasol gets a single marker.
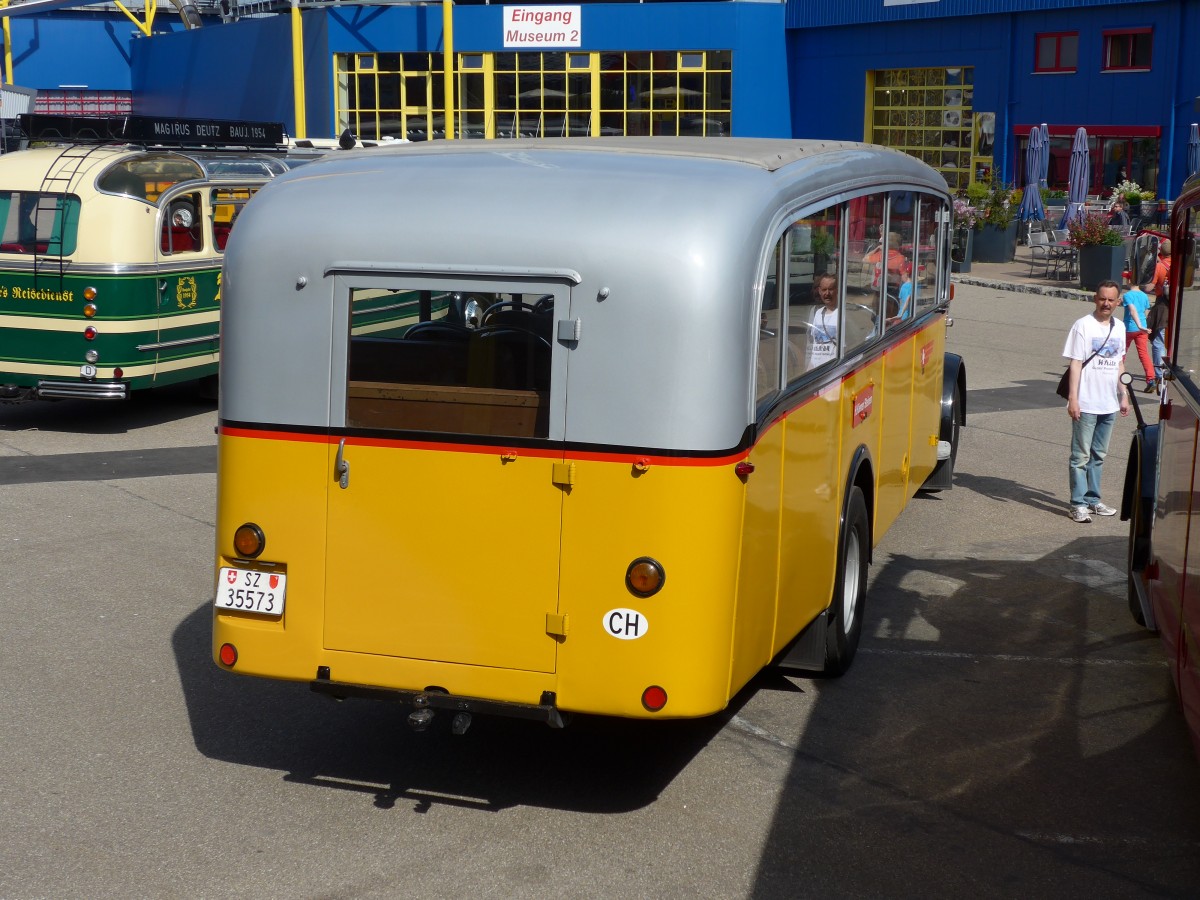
(1193, 151)
(1045, 168)
(1031, 199)
(1079, 178)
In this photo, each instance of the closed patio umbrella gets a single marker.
(1045, 170)
(1079, 178)
(1193, 157)
(1031, 199)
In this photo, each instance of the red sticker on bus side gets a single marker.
(926, 353)
(862, 403)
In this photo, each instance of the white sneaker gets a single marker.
(1079, 514)
(1101, 510)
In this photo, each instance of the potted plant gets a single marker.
(1101, 250)
(965, 216)
(1152, 207)
(996, 226)
(1054, 198)
(1134, 197)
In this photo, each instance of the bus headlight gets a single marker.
(645, 576)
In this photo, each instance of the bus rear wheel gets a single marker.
(850, 586)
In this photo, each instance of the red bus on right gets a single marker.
(1161, 500)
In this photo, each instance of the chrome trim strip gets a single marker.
(182, 342)
(82, 390)
(400, 269)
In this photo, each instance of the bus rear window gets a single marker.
(449, 362)
(38, 223)
(146, 177)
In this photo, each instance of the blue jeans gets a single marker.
(1089, 446)
(1158, 350)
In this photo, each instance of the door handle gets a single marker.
(341, 468)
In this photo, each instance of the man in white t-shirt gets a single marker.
(1096, 348)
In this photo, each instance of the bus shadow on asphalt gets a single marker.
(596, 765)
(1006, 727)
(143, 409)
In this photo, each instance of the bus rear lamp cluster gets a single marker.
(645, 576)
(249, 541)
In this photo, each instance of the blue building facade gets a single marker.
(1120, 70)
(714, 68)
(957, 82)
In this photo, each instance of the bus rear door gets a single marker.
(444, 511)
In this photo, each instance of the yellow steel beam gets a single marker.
(151, 9)
(298, 70)
(8, 64)
(448, 66)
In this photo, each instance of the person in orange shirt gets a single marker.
(1162, 272)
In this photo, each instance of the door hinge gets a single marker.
(569, 329)
(556, 625)
(563, 474)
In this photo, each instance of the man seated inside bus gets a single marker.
(900, 307)
(823, 322)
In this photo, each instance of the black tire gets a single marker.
(208, 388)
(849, 587)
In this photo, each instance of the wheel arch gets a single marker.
(861, 474)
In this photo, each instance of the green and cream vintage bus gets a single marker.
(111, 241)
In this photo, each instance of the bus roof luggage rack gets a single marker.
(160, 131)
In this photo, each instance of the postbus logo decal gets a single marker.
(861, 404)
(186, 292)
(926, 355)
(625, 624)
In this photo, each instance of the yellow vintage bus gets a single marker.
(112, 234)
(532, 428)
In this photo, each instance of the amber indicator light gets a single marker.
(645, 576)
(249, 541)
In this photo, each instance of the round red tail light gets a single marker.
(654, 698)
(89, 333)
(228, 655)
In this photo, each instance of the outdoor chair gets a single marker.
(1039, 251)
(1062, 255)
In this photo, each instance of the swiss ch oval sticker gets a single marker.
(625, 624)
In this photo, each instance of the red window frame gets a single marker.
(1057, 37)
(1128, 65)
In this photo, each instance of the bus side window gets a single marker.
(181, 229)
(814, 294)
(867, 264)
(38, 223)
(227, 205)
(769, 322)
(925, 266)
(902, 251)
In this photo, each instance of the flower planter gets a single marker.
(1100, 262)
(960, 253)
(995, 245)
